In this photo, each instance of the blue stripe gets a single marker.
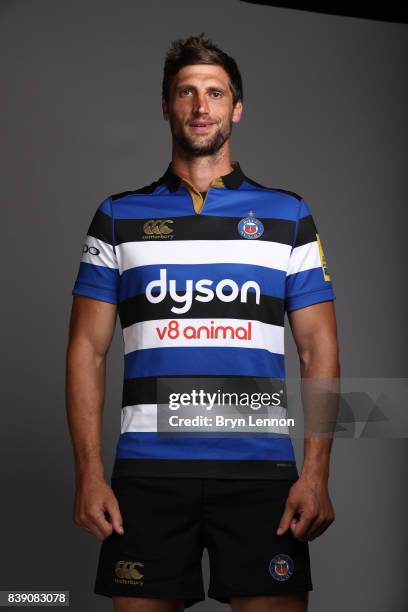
(265, 203)
(306, 281)
(159, 204)
(152, 445)
(134, 281)
(97, 281)
(94, 292)
(105, 207)
(208, 361)
(237, 203)
(307, 299)
(304, 209)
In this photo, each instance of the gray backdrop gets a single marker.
(325, 116)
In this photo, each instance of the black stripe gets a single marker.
(101, 227)
(139, 391)
(205, 468)
(202, 227)
(269, 310)
(143, 390)
(306, 231)
(232, 180)
(147, 189)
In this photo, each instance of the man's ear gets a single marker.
(165, 109)
(237, 112)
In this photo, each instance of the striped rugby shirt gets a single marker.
(202, 287)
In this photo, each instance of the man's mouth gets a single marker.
(200, 125)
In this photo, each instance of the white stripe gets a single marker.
(260, 253)
(144, 335)
(143, 418)
(106, 256)
(304, 257)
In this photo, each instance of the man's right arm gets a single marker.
(91, 330)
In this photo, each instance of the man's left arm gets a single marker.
(309, 511)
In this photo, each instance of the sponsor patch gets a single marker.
(202, 290)
(326, 274)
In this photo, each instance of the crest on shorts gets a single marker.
(281, 567)
(250, 227)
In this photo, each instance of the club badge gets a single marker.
(250, 227)
(281, 567)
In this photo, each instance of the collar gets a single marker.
(232, 180)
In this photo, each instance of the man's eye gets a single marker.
(217, 94)
(184, 91)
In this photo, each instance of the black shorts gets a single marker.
(169, 521)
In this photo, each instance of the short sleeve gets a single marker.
(307, 278)
(98, 274)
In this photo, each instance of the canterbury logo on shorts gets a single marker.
(127, 570)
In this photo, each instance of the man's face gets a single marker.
(200, 109)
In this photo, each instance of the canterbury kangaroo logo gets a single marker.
(154, 226)
(127, 569)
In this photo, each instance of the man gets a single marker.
(201, 266)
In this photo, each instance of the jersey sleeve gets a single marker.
(307, 278)
(98, 274)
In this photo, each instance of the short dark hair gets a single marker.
(199, 50)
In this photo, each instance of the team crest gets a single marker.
(281, 567)
(250, 227)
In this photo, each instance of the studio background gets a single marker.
(325, 101)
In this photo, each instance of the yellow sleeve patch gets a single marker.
(326, 274)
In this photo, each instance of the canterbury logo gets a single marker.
(127, 569)
(154, 226)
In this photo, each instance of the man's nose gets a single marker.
(201, 103)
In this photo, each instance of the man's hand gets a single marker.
(309, 499)
(93, 498)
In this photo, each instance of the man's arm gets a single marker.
(315, 333)
(91, 331)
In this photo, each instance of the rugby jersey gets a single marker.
(202, 287)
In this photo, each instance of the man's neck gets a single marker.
(201, 171)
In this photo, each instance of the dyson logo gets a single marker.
(226, 290)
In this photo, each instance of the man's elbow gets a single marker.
(82, 351)
(321, 356)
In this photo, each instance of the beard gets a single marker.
(194, 148)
